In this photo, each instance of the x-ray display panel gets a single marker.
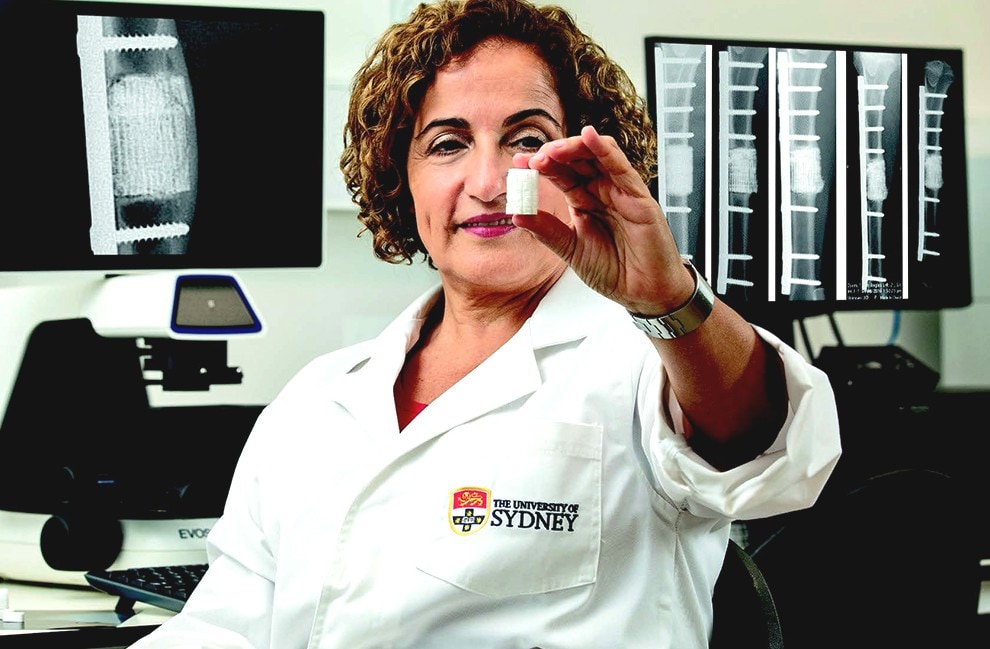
(806, 178)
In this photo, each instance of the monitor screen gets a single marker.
(806, 178)
(152, 136)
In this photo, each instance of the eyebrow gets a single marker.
(515, 118)
(526, 114)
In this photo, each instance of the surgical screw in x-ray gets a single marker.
(140, 135)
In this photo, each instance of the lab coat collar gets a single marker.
(567, 313)
(366, 390)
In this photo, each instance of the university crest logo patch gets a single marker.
(468, 510)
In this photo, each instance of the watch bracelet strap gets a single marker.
(684, 319)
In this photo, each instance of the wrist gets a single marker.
(671, 293)
(685, 318)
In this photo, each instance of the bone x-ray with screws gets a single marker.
(141, 137)
(814, 177)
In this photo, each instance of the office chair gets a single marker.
(890, 562)
(745, 615)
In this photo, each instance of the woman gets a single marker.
(549, 475)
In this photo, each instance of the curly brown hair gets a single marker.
(389, 87)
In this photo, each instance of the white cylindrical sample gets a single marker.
(522, 194)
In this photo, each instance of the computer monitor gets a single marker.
(159, 148)
(146, 136)
(809, 178)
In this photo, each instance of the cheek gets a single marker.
(432, 202)
(419, 195)
(423, 225)
(432, 187)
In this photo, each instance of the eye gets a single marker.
(446, 145)
(528, 141)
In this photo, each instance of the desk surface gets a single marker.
(78, 617)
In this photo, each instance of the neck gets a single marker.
(484, 320)
(460, 333)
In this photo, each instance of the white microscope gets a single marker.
(95, 477)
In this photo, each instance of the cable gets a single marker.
(835, 329)
(805, 338)
(895, 329)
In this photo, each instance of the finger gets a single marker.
(612, 161)
(566, 171)
(550, 231)
(590, 156)
(570, 166)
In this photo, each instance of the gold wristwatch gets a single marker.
(684, 319)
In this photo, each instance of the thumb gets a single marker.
(548, 230)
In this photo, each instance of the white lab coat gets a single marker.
(591, 523)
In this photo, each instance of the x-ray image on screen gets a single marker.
(681, 81)
(806, 106)
(936, 181)
(140, 135)
(743, 157)
(150, 136)
(876, 231)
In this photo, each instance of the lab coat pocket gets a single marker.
(522, 517)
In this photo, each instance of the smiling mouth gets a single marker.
(495, 223)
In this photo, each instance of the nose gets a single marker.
(486, 173)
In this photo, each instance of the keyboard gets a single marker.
(166, 587)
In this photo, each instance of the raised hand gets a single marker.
(618, 240)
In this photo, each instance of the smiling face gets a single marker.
(478, 113)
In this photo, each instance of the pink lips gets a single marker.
(487, 226)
